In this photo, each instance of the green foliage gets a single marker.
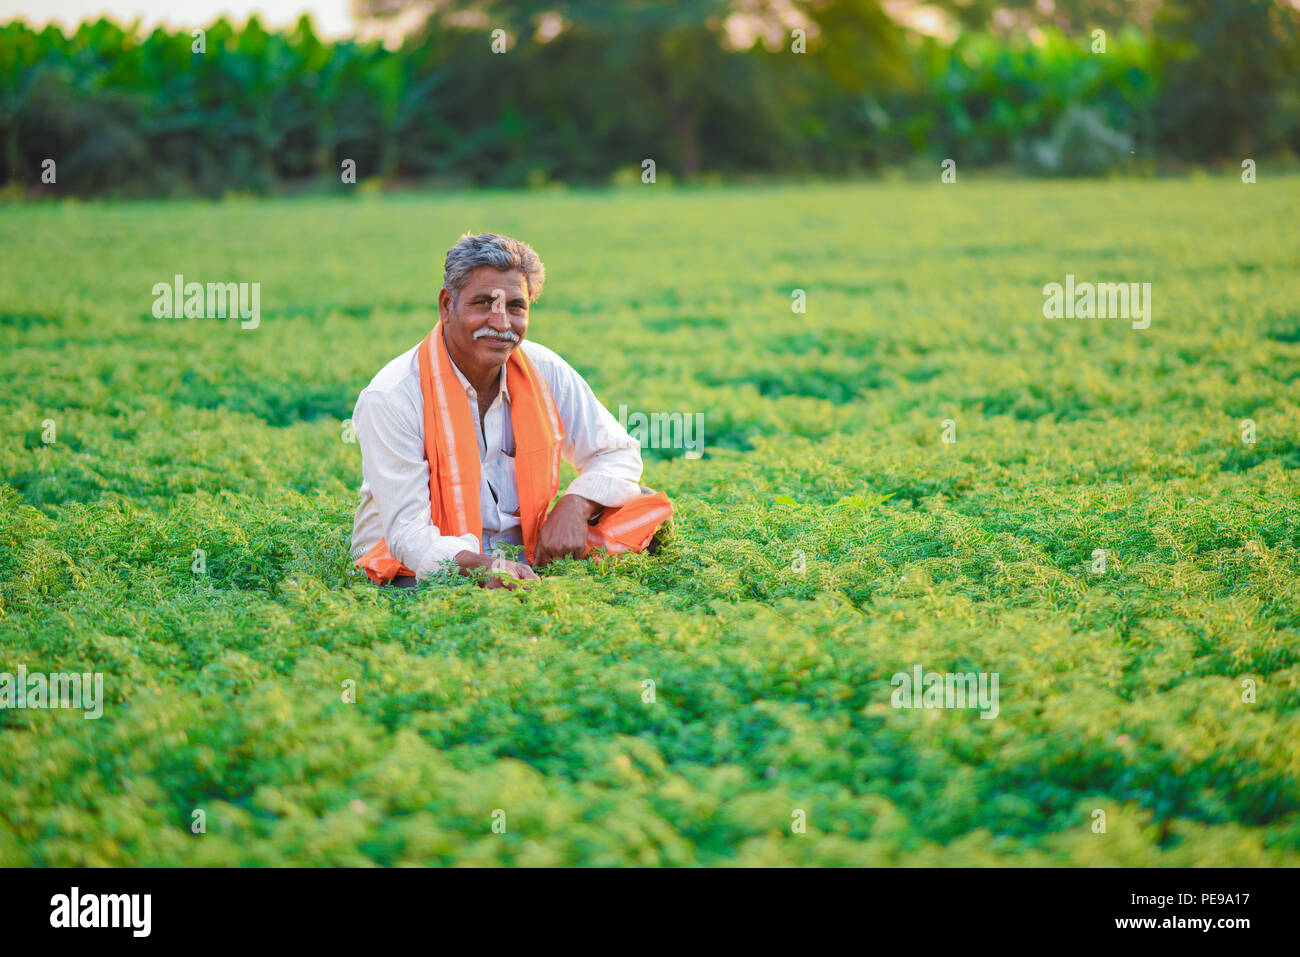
(984, 100)
(129, 115)
(1120, 691)
(1231, 68)
(1081, 144)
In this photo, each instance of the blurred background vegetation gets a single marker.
(707, 88)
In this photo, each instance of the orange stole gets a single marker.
(454, 469)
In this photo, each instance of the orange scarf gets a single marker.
(454, 469)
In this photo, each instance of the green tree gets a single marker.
(1227, 64)
(669, 54)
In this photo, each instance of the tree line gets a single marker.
(246, 108)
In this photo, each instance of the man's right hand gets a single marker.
(498, 570)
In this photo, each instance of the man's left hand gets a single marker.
(565, 530)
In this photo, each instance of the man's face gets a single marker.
(490, 316)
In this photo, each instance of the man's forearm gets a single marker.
(583, 507)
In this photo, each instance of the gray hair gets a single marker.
(497, 251)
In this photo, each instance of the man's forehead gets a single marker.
(486, 278)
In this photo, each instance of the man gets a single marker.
(461, 439)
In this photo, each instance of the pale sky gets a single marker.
(331, 17)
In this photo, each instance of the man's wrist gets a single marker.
(470, 561)
(585, 507)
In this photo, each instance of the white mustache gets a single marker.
(508, 335)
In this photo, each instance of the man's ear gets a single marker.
(444, 304)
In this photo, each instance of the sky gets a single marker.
(331, 17)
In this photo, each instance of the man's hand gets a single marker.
(498, 570)
(565, 530)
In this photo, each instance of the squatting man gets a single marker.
(461, 440)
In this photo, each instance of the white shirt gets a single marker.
(389, 425)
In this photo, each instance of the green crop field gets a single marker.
(920, 469)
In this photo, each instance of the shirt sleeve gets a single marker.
(387, 427)
(607, 458)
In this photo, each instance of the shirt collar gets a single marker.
(505, 389)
